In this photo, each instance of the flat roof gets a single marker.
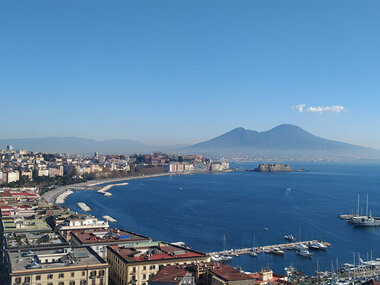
(64, 258)
(96, 236)
(33, 240)
(25, 225)
(162, 251)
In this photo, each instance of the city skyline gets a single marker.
(180, 73)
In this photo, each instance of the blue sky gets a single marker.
(167, 72)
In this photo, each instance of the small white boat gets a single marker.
(278, 251)
(300, 246)
(317, 245)
(225, 257)
(304, 253)
(290, 237)
(253, 254)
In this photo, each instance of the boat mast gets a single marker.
(357, 209)
(366, 213)
(224, 243)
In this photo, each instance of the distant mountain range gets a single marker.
(282, 142)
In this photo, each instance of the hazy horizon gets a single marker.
(176, 72)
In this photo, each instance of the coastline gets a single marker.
(64, 191)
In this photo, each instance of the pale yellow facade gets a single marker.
(138, 273)
(58, 276)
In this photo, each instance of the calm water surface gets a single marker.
(240, 205)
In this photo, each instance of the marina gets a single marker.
(299, 246)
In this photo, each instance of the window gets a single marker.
(134, 269)
(50, 276)
(72, 274)
(153, 267)
(100, 281)
(61, 275)
(144, 267)
(72, 282)
(18, 279)
(50, 284)
(93, 282)
(144, 276)
(101, 272)
(83, 273)
(83, 282)
(38, 277)
(61, 283)
(27, 279)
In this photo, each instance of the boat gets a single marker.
(278, 251)
(304, 253)
(317, 245)
(225, 257)
(253, 254)
(179, 188)
(265, 229)
(365, 221)
(300, 246)
(288, 189)
(107, 194)
(215, 258)
(290, 237)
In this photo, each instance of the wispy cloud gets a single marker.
(319, 109)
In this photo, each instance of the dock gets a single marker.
(266, 248)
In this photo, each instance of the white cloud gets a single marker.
(319, 109)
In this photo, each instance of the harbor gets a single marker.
(270, 248)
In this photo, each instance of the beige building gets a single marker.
(135, 265)
(62, 266)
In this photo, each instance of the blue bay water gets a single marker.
(240, 205)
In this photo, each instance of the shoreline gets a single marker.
(52, 196)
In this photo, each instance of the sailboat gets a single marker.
(253, 253)
(225, 256)
(365, 221)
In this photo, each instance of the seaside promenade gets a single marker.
(52, 195)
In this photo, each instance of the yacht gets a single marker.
(300, 246)
(278, 251)
(253, 254)
(304, 252)
(317, 245)
(290, 237)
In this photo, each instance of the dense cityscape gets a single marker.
(202, 142)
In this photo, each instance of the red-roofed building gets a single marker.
(224, 274)
(98, 239)
(137, 264)
(174, 275)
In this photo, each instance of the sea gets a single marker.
(242, 209)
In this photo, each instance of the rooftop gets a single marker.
(92, 236)
(53, 258)
(25, 225)
(34, 239)
(157, 251)
(229, 273)
(171, 274)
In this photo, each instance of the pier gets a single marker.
(266, 248)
